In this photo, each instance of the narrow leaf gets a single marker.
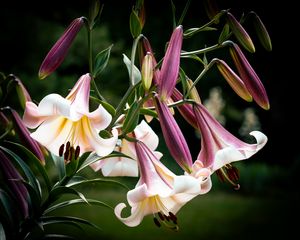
(97, 180)
(101, 61)
(145, 111)
(135, 24)
(69, 219)
(224, 34)
(6, 207)
(106, 105)
(60, 165)
(2, 232)
(137, 77)
(57, 236)
(26, 170)
(34, 162)
(61, 190)
(74, 202)
(132, 118)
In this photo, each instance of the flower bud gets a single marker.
(240, 33)
(262, 32)
(22, 92)
(194, 93)
(60, 49)
(249, 77)
(147, 71)
(233, 80)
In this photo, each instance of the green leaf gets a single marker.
(60, 219)
(135, 24)
(148, 112)
(106, 105)
(94, 158)
(183, 79)
(184, 12)
(26, 170)
(74, 202)
(173, 14)
(60, 165)
(35, 199)
(224, 34)
(132, 118)
(2, 232)
(6, 207)
(96, 180)
(35, 162)
(137, 77)
(61, 190)
(57, 236)
(101, 61)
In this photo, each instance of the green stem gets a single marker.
(201, 51)
(121, 105)
(133, 53)
(206, 68)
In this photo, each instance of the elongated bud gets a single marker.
(173, 136)
(24, 135)
(249, 77)
(147, 48)
(233, 80)
(147, 71)
(14, 182)
(240, 33)
(194, 93)
(22, 93)
(262, 32)
(170, 66)
(60, 49)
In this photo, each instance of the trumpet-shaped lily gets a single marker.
(124, 166)
(218, 146)
(158, 191)
(62, 120)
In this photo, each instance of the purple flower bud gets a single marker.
(170, 66)
(233, 80)
(249, 77)
(24, 135)
(58, 52)
(240, 33)
(262, 32)
(14, 179)
(22, 93)
(173, 136)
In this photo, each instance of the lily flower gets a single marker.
(173, 136)
(170, 65)
(68, 122)
(218, 146)
(57, 53)
(124, 166)
(249, 77)
(159, 191)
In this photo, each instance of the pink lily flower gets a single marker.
(68, 122)
(159, 191)
(218, 146)
(123, 166)
(60, 49)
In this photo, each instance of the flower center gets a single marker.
(69, 152)
(230, 174)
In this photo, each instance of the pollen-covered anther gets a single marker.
(156, 221)
(77, 152)
(61, 150)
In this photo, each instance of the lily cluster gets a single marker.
(119, 142)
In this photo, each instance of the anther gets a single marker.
(68, 146)
(157, 223)
(72, 151)
(161, 216)
(66, 155)
(61, 150)
(77, 152)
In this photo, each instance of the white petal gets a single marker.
(115, 167)
(139, 194)
(185, 184)
(145, 134)
(53, 133)
(134, 219)
(32, 117)
(231, 154)
(100, 118)
(55, 105)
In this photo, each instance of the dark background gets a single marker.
(29, 29)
